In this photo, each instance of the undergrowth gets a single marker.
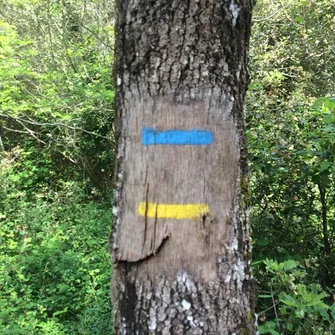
(54, 262)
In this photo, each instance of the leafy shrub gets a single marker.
(54, 263)
(289, 304)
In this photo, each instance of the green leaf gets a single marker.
(264, 296)
(289, 325)
(300, 19)
(289, 265)
(288, 300)
(263, 330)
(262, 242)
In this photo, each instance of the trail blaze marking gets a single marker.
(170, 211)
(151, 136)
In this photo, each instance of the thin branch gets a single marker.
(30, 132)
(263, 18)
(55, 124)
(14, 130)
(97, 37)
(1, 144)
(274, 307)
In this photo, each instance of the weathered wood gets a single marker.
(180, 242)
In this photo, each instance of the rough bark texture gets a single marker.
(181, 65)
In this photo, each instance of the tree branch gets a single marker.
(51, 124)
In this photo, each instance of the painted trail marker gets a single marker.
(172, 211)
(178, 185)
(151, 136)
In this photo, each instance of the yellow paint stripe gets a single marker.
(169, 211)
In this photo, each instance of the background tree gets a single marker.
(181, 245)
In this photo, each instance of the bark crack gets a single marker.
(150, 254)
(146, 216)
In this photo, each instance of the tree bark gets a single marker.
(180, 243)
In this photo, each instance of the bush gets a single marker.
(289, 304)
(54, 264)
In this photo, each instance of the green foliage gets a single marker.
(290, 133)
(57, 152)
(54, 263)
(291, 305)
(56, 156)
(56, 92)
(290, 122)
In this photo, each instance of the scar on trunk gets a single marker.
(146, 208)
(152, 252)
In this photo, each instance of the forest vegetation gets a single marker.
(57, 153)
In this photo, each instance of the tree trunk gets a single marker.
(180, 243)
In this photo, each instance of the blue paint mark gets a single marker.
(152, 136)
